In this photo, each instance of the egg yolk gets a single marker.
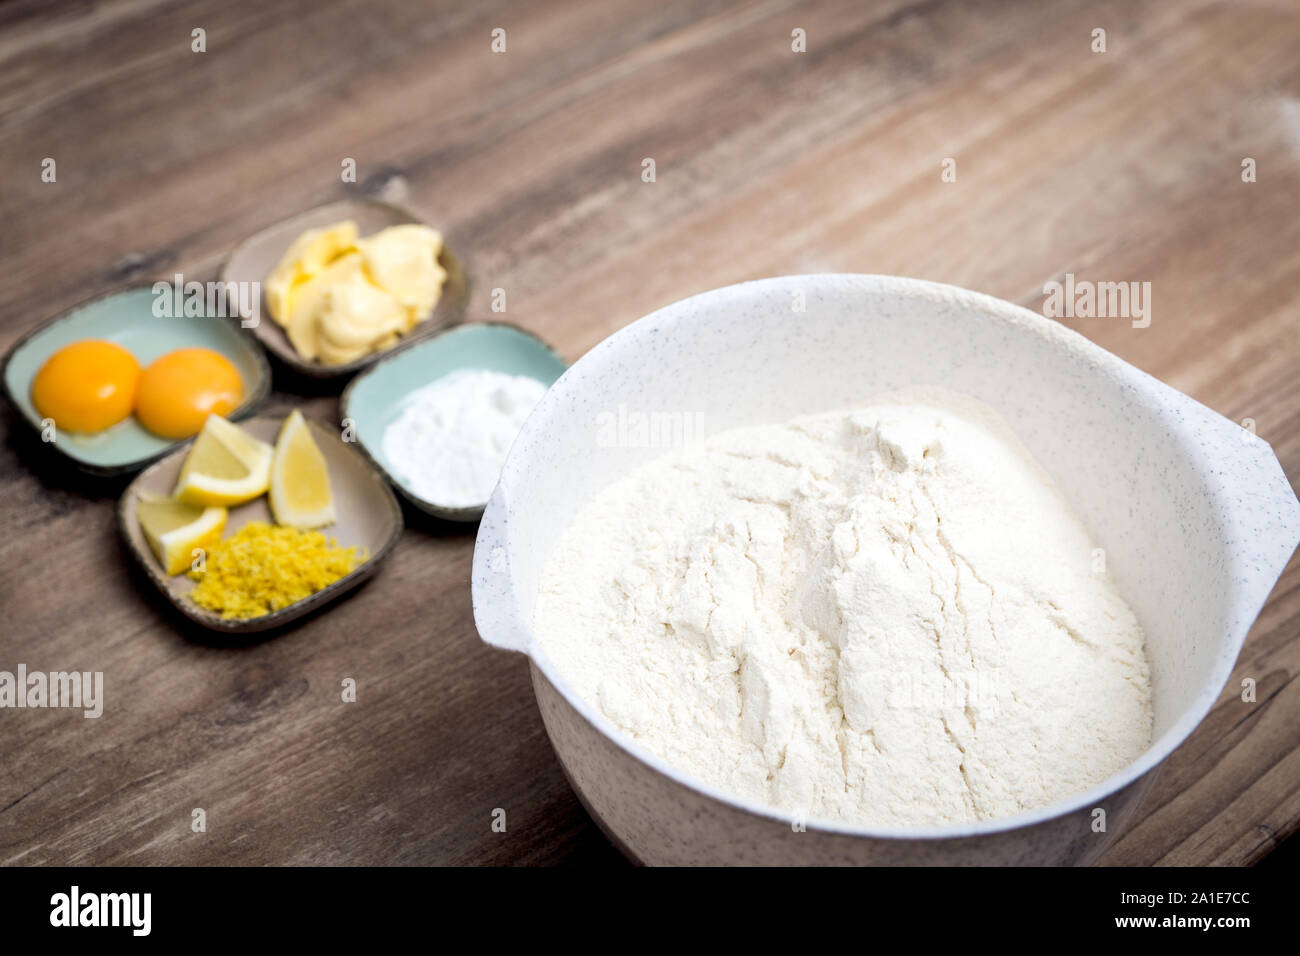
(180, 389)
(86, 386)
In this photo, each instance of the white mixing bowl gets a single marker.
(1194, 513)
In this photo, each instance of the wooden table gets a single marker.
(1122, 165)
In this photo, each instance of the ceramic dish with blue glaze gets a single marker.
(376, 398)
(127, 319)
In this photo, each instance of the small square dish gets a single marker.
(127, 318)
(255, 258)
(369, 517)
(377, 398)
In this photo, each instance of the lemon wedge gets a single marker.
(227, 466)
(175, 530)
(300, 482)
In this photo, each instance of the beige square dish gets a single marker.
(254, 258)
(369, 516)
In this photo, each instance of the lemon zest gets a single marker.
(262, 568)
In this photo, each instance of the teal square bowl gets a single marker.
(127, 319)
(376, 397)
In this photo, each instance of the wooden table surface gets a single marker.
(1122, 165)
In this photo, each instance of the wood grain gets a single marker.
(1117, 166)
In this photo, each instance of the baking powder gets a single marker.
(451, 438)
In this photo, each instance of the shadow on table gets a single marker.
(435, 527)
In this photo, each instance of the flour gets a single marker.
(888, 616)
(452, 437)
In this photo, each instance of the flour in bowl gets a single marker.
(888, 616)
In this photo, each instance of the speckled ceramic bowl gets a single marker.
(1194, 512)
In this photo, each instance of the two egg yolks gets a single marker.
(89, 385)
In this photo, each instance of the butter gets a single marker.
(308, 255)
(340, 297)
(404, 261)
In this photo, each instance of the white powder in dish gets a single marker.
(888, 616)
(452, 437)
